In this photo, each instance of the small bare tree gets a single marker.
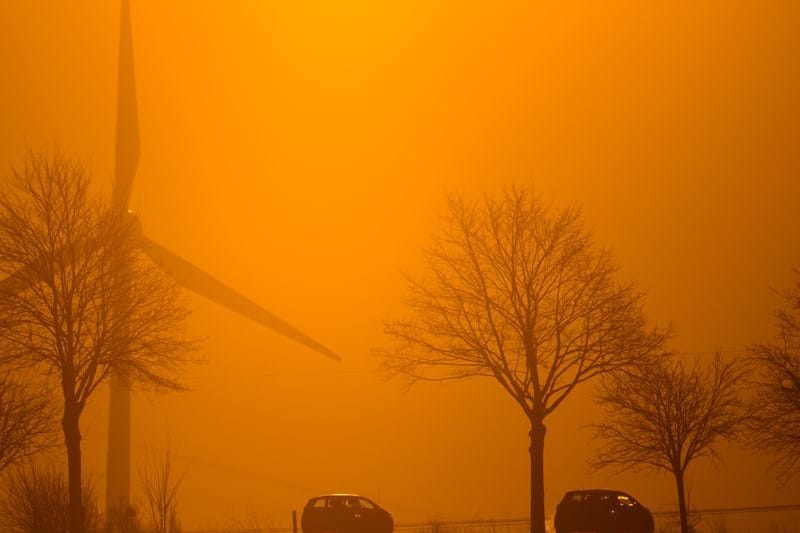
(37, 500)
(27, 419)
(123, 519)
(78, 299)
(519, 293)
(777, 396)
(669, 414)
(161, 485)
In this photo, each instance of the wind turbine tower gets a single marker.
(184, 273)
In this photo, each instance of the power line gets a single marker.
(309, 373)
(735, 510)
(714, 352)
(243, 473)
(282, 374)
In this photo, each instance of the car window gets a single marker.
(365, 504)
(626, 501)
(351, 503)
(319, 503)
(335, 502)
(576, 498)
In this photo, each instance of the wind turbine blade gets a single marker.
(127, 145)
(16, 282)
(194, 279)
(30, 273)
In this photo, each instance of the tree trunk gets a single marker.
(537, 434)
(72, 438)
(682, 512)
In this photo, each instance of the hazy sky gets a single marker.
(299, 151)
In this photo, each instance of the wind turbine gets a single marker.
(184, 273)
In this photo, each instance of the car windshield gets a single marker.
(365, 503)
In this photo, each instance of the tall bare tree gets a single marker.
(27, 418)
(777, 423)
(68, 304)
(517, 292)
(667, 415)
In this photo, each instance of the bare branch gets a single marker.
(27, 421)
(776, 427)
(161, 486)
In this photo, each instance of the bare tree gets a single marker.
(123, 519)
(27, 418)
(669, 414)
(37, 500)
(78, 300)
(518, 292)
(777, 395)
(161, 485)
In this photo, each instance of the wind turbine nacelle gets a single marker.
(136, 224)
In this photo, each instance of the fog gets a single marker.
(300, 153)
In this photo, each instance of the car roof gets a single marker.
(338, 495)
(597, 491)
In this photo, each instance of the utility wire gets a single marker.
(282, 374)
(308, 373)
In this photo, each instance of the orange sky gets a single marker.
(299, 151)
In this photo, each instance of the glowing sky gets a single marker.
(300, 150)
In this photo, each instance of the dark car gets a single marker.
(345, 513)
(602, 511)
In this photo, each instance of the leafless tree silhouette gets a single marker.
(518, 292)
(777, 422)
(68, 305)
(37, 500)
(27, 418)
(123, 520)
(669, 414)
(161, 485)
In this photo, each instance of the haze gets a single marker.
(299, 151)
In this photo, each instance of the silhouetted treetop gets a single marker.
(517, 291)
(776, 427)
